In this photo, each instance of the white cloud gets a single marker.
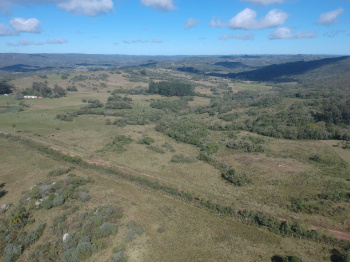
(216, 23)
(285, 33)
(31, 25)
(57, 41)
(264, 2)
(161, 5)
(25, 42)
(5, 30)
(334, 33)
(86, 7)
(76, 7)
(248, 36)
(246, 19)
(191, 22)
(330, 17)
(135, 41)
(141, 41)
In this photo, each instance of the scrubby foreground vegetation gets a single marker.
(168, 164)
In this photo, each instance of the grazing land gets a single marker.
(232, 158)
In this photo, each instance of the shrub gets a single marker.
(57, 201)
(236, 178)
(169, 147)
(118, 143)
(156, 149)
(59, 171)
(12, 252)
(116, 257)
(84, 196)
(85, 248)
(146, 140)
(248, 144)
(129, 236)
(182, 159)
(48, 202)
(105, 230)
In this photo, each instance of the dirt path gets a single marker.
(335, 233)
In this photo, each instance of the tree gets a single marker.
(59, 91)
(5, 87)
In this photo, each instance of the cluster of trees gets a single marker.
(117, 102)
(248, 143)
(171, 88)
(175, 106)
(185, 130)
(6, 87)
(336, 111)
(42, 89)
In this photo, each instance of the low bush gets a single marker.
(146, 140)
(59, 171)
(180, 158)
(156, 149)
(237, 178)
(12, 252)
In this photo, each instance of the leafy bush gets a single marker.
(129, 236)
(84, 196)
(236, 178)
(302, 205)
(146, 140)
(59, 171)
(169, 147)
(182, 159)
(118, 143)
(248, 143)
(72, 89)
(64, 117)
(177, 106)
(116, 257)
(12, 252)
(47, 203)
(105, 230)
(156, 149)
(27, 239)
(58, 201)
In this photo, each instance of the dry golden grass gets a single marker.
(190, 233)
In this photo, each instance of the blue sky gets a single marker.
(175, 27)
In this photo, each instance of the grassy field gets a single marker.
(285, 171)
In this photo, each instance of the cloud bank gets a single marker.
(247, 20)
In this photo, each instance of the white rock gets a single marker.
(38, 202)
(65, 237)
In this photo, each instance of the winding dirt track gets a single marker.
(337, 234)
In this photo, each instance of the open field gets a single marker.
(190, 145)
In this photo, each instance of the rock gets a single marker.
(65, 237)
(38, 202)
